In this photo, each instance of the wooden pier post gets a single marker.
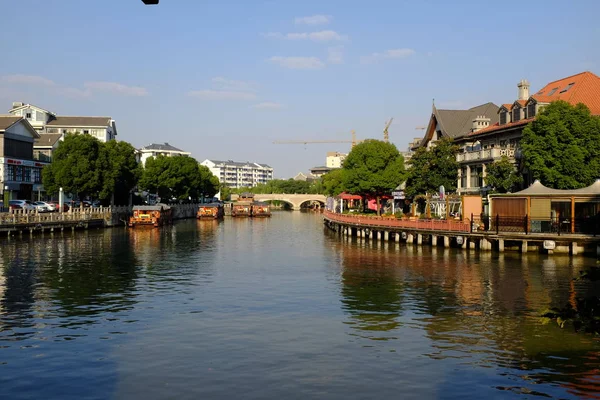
(500, 245)
(446, 241)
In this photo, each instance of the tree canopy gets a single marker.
(561, 147)
(79, 166)
(433, 168)
(122, 172)
(178, 178)
(502, 176)
(285, 186)
(373, 168)
(333, 182)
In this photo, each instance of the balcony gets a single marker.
(485, 154)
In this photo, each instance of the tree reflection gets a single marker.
(372, 293)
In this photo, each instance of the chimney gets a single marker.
(523, 89)
(480, 122)
(17, 104)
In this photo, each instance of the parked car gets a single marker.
(56, 205)
(21, 205)
(43, 206)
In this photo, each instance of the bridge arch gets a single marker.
(295, 200)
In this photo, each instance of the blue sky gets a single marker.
(225, 78)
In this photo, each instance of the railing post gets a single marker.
(497, 224)
(526, 224)
(471, 224)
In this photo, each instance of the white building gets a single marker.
(335, 159)
(44, 121)
(165, 149)
(238, 174)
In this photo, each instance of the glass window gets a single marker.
(503, 117)
(531, 110)
(516, 114)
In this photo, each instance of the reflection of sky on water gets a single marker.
(275, 308)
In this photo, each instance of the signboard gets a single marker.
(398, 195)
(549, 244)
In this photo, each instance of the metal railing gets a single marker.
(401, 223)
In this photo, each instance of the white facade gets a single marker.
(335, 159)
(154, 150)
(44, 121)
(237, 174)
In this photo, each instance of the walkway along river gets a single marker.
(283, 308)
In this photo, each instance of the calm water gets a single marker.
(279, 308)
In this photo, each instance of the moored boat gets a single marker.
(261, 210)
(155, 215)
(241, 209)
(210, 211)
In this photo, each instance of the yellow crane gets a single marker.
(386, 135)
(353, 141)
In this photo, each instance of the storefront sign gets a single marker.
(398, 195)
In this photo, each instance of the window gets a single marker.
(86, 131)
(52, 130)
(552, 91)
(531, 110)
(28, 115)
(503, 117)
(516, 114)
(569, 86)
(64, 131)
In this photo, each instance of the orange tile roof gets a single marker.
(508, 106)
(521, 102)
(497, 127)
(585, 89)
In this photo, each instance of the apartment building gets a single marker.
(239, 174)
(164, 149)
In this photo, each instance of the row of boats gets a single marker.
(162, 214)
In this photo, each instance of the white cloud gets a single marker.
(86, 91)
(335, 55)
(233, 85)
(114, 87)
(298, 62)
(318, 19)
(268, 106)
(320, 36)
(209, 94)
(388, 54)
(21, 79)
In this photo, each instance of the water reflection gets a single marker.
(477, 308)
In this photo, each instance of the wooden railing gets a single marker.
(392, 222)
(74, 215)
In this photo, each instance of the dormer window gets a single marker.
(503, 116)
(552, 91)
(516, 114)
(531, 110)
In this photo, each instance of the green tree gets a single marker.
(430, 169)
(333, 183)
(122, 173)
(209, 184)
(78, 166)
(502, 176)
(561, 146)
(225, 191)
(373, 168)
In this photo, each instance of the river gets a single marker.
(281, 308)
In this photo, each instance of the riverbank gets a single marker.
(458, 234)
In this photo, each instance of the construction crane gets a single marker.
(353, 141)
(386, 135)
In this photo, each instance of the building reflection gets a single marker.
(482, 306)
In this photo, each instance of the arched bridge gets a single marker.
(294, 200)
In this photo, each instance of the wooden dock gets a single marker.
(458, 234)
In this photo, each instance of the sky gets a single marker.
(223, 79)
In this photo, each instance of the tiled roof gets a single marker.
(457, 123)
(6, 121)
(581, 88)
(80, 121)
(240, 164)
(47, 139)
(161, 147)
(508, 106)
(498, 127)
(520, 102)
